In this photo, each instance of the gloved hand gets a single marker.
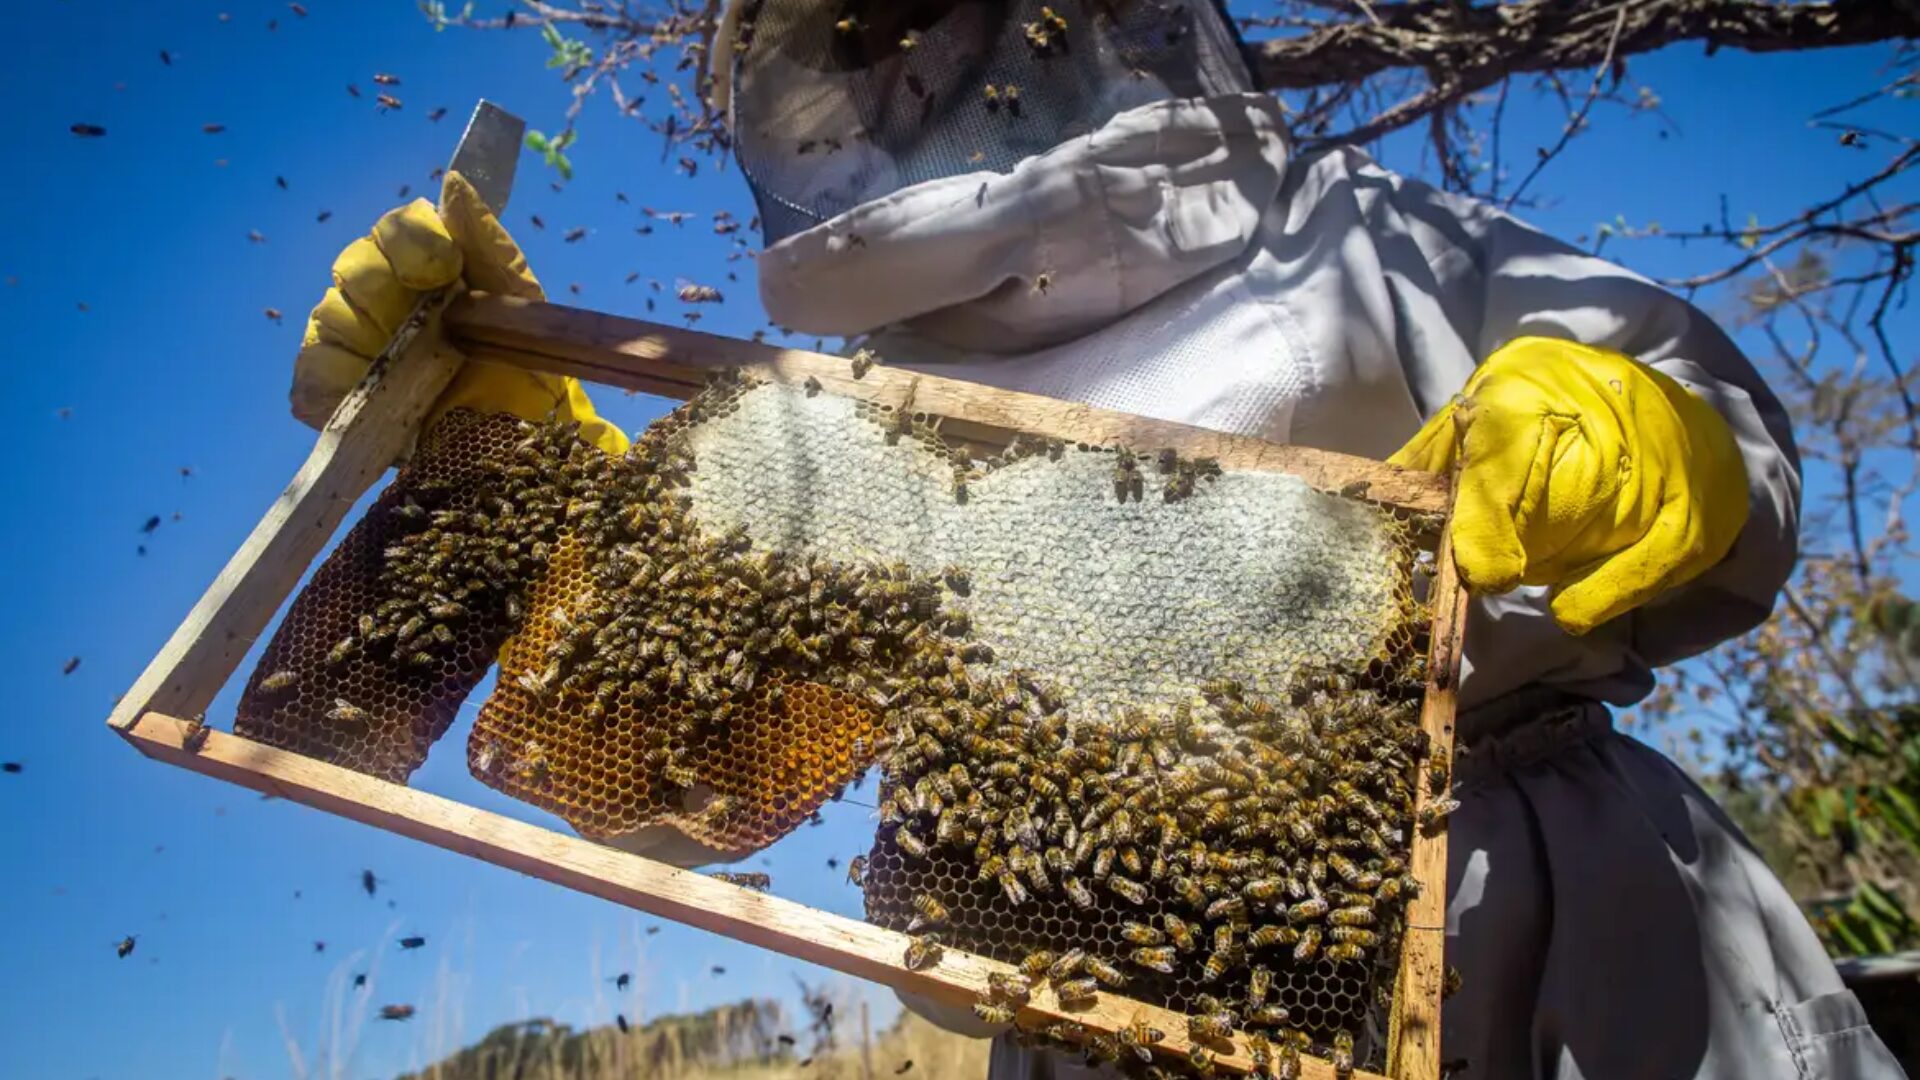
(1586, 471)
(378, 279)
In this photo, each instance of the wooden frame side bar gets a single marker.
(671, 362)
(1413, 1051)
(847, 945)
(372, 427)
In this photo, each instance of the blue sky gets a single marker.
(172, 364)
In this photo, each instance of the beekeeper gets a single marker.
(1093, 202)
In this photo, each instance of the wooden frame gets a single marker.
(375, 424)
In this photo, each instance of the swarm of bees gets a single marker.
(1228, 855)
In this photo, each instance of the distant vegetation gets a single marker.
(741, 1041)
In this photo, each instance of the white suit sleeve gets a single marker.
(1500, 279)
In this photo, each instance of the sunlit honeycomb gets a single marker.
(1108, 665)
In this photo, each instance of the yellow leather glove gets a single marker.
(378, 279)
(1586, 471)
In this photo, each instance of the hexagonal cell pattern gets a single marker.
(359, 706)
(1107, 686)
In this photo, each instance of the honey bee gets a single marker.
(1309, 909)
(1180, 933)
(1268, 1015)
(756, 881)
(1016, 893)
(1078, 892)
(1227, 907)
(993, 1012)
(1345, 951)
(1219, 962)
(1286, 1064)
(1452, 982)
(1210, 1026)
(1342, 1055)
(1352, 916)
(812, 386)
(1004, 987)
(1159, 959)
(342, 651)
(1355, 936)
(1075, 993)
(1067, 965)
(1433, 814)
(904, 838)
(1131, 891)
(279, 682)
(1263, 890)
(346, 712)
(1037, 963)
(1140, 934)
(1259, 984)
(1190, 892)
(1308, 945)
(1109, 975)
(1140, 1037)
(1201, 1062)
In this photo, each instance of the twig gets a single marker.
(1579, 119)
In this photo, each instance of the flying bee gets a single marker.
(1345, 951)
(923, 952)
(1141, 934)
(1075, 993)
(1342, 1054)
(1307, 910)
(1141, 1037)
(346, 712)
(1308, 945)
(1109, 975)
(1210, 1027)
(1183, 936)
(1159, 959)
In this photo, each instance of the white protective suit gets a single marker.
(1606, 917)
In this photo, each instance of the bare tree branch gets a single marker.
(1465, 48)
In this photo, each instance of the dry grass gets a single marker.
(729, 1042)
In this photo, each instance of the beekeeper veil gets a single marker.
(833, 103)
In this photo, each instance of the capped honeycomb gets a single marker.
(320, 688)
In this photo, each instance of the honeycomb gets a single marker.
(1114, 693)
(405, 708)
(781, 758)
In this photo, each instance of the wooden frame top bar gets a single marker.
(671, 362)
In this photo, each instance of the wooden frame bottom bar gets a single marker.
(833, 941)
